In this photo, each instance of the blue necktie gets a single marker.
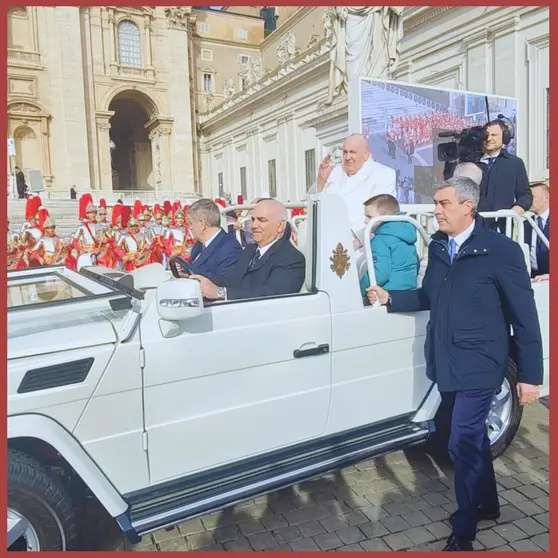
(452, 249)
(538, 242)
(490, 162)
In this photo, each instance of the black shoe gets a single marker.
(485, 514)
(454, 544)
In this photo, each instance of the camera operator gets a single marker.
(505, 183)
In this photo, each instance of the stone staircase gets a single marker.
(64, 213)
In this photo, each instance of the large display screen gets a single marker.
(402, 122)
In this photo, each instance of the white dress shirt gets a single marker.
(263, 249)
(462, 237)
(210, 240)
(207, 243)
(544, 217)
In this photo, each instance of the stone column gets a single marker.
(149, 69)
(183, 142)
(112, 41)
(157, 163)
(103, 150)
(165, 147)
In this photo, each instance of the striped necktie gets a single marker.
(257, 255)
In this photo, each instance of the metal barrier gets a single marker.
(514, 230)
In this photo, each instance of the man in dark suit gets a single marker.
(505, 184)
(476, 287)
(540, 254)
(215, 251)
(21, 185)
(270, 267)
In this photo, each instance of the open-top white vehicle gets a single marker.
(166, 407)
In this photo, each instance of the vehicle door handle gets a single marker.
(314, 351)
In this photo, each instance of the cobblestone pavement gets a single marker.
(399, 502)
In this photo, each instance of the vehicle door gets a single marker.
(230, 384)
(378, 364)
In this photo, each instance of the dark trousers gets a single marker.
(469, 449)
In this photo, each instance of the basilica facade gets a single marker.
(100, 97)
(194, 101)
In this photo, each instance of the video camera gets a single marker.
(467, 146)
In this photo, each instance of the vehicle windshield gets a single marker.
(41, 289)
(60, 285)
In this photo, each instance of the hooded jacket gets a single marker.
(396, 262)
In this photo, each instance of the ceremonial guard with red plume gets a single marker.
(103, 213)
(16, 250)
(135, 247)
(51, 249)
(86, 237)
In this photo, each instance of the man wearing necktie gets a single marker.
(505, 183)
(540, 254)
(270, 267)
(477, 288)
(215, 251)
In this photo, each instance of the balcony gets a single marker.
(20, 57)
(131, 73)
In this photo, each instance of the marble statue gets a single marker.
(209, 102)
(228, 90)
(255, 72)
(287, 49)
(366, 42)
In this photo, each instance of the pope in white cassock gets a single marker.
(356, 180)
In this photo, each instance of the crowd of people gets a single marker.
(126, 237)
(417, 128)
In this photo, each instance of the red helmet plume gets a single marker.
(138, 208)
(125, 213)
(116, 213)
(42, 216)
(84, 201)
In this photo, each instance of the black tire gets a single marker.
(42, 501)
(437, 445)
(502, 444)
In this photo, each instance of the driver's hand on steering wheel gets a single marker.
(208, 289)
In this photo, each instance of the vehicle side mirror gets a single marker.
(179, 299)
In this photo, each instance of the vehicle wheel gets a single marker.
(502, 422)
(38, 498)
(505, 413)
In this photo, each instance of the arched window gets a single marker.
(129, 44)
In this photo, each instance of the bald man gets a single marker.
(270, 267)
(356, 180)
(469, 170)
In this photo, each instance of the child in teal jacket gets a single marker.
(396, 262)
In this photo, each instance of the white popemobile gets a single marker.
(164, 407)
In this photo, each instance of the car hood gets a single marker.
(51, 334)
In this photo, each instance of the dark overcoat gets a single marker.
(474, 303)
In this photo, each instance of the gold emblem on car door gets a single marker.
(340, 261)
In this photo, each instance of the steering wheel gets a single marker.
(178, 265)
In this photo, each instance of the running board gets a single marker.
(165, 509)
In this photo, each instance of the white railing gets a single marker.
(514, 230)
(129, 196)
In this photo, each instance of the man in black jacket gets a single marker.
(540, 253)
(270, 267)
(505, 183)
(477, 288)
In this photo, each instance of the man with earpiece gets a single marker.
(505, 184)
